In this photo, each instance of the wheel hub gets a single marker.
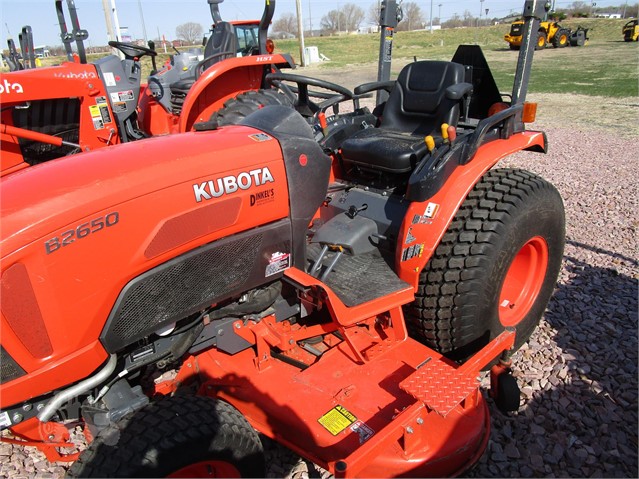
(523, 281)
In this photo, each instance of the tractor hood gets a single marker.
(190, 169)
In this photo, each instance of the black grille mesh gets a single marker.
(187, 284)
(9, 369)
(58, 117)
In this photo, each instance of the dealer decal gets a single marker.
(278, 263)
(230, 184)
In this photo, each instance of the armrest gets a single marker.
(372, 86)
(458, 91)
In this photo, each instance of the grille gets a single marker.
(180, 287)
(9, 369)
(58, 117)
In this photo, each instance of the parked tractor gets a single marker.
(549, 33)
(630, 31)
(336, 282)
(77, 106)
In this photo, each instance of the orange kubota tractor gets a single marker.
(336, 282)
(78, 106)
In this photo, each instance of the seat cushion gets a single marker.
(182, 86)
(384, 150)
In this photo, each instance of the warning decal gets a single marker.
(98, 121)
(4, 419)
(278, 263)
(337, 420)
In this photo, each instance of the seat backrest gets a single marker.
(418, 103)
(222, 40)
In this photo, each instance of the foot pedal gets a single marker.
(439, 386)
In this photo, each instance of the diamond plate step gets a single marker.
(439, 386)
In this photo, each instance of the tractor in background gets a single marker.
(77, 106)
(549, 32)
(630, 31)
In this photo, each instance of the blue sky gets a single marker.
(165, 15)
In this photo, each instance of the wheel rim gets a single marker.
(523, 281)
(541, 41)
(207, 469)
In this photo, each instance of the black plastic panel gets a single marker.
(195, 280)
(9, 369)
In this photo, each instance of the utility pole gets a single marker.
(439, 14)
(143, 25)
(431, 17)
(300, 30)
(116, 21)
(310, 18)
(107, 18)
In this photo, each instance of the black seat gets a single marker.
(221, 44)
(425, 95)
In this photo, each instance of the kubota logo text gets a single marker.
(231, 184)
(8, 87)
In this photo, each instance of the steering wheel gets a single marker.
(132, 51)
(303, 102)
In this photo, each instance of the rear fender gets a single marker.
(224, 80)
(426, 222)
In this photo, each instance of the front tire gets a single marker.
(176, 437)
(542, 39)
(495, 267)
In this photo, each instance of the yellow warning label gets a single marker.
(337, 419)
(95, 111)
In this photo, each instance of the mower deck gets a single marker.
(372, 403)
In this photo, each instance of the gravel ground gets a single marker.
(578, 373)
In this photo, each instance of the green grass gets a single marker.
(606, 66)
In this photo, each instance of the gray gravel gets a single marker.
(578, 373)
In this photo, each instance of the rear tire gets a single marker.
(496, 265)
(561, 38)
(238, 108)
(176, 437)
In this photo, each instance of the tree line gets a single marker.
(350, 17)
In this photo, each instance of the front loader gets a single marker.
(336, 282)
(77, 106)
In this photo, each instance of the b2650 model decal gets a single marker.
(81, 231)
(230, 184)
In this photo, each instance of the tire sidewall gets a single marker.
(171, 434)
(529, 219)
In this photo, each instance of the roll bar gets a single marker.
(77, 34)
